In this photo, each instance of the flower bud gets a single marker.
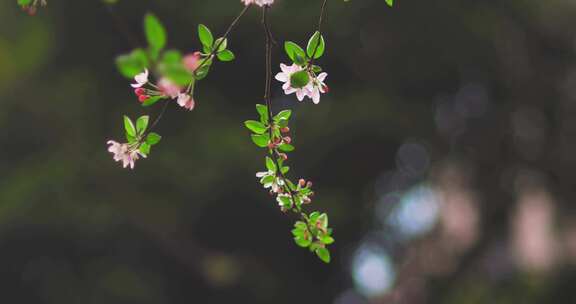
(283, 156)
(143, 98)
(302, 182)
(306, 200)
(285, 130)
(140, 91)
(287, 139)
(309, 184)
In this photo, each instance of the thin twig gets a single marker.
(228, 30)
(157, 120)
(268, 99)
(224, 37)
(319, 30)
(121, 25)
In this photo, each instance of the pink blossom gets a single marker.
(192, 61)
(318, 86)
(169, 88)
(125, 154)
(186, 101)
(141, 79)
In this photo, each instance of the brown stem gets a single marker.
(268, 98)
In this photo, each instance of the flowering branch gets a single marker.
(177, 81)
(311, 231)
(177, 77)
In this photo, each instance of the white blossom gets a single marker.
(141, 79)
(258, 2)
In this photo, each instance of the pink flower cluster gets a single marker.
(164, 88)
(312, 90)
(124, 153)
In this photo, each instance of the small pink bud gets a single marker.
(302, 182)
(287, 139)
(306, 200)
(143, 98)
(309, 184)
(285, 130)
(272, 145)
(283, 156)
(140, 91)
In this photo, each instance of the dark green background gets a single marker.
(192, 225)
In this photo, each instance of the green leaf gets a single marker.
(316, 46)
(390, 2)
(270, 165)
(284, 114)
(302, 241)
(24, 2)
(202, 72)
(285, 170)
(294, 51)
(152, 100)
(205, 36)
(144, 148)
(299, 79)
(170, 57)
(300, 60)
(281, 123)
(314, 216)
(285, 201)
(255, 126)
(286, 148)
(268, 179)
(221, 44)
(298, 232)
(263, 111)
(155, 34)
(226, 55)
(129, 126)
(130, 65)
(261, 140)
(142, 124)
(323, 254)
(300, 225)
(153, 138)
(177, 73)
(326, 239)
(130, 139)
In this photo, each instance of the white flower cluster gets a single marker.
(258, 2)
